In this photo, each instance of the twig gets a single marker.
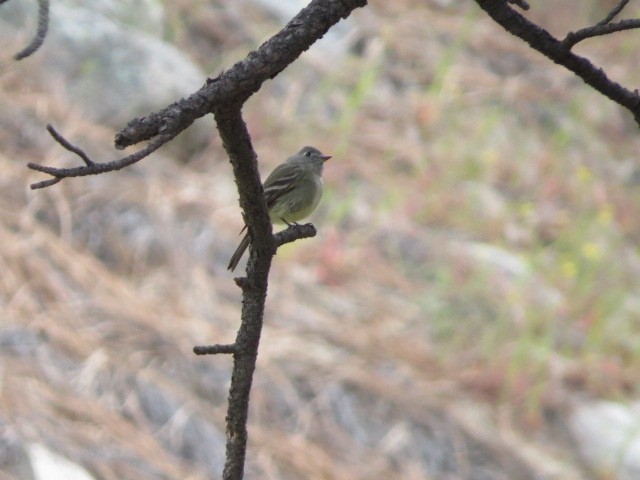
(603, 27)
(91, 167)
(520, 3)
(293, 233)
(230, 88)
(541, 40)
(43, 26)
(598, 30)
(290, 234)
(614, 12)
(215, 349)
(66, 144)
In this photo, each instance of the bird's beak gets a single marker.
(325, 157)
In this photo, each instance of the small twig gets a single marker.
(614, 11)
(46, 183)
(520, 3)
(560, 52)
(43, 26)
(66, 144)
(91, 167)
(241, 282)
(215, 349)
(600, 29)
(293, 233)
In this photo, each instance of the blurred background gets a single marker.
(470, 308)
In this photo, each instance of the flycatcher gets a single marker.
(292, 192)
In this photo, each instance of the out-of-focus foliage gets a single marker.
(476, 271)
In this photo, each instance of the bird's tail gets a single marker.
(244, 243)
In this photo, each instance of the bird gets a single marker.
(292, 192)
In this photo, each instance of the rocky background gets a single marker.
(469, 310)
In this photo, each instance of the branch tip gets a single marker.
(560, 50)
(241, 282)
(41, 32)
(600, 29)
(215, 349)
(44, 183)
(614, 12)
(295, 232)
(69, 146)
(520, 3)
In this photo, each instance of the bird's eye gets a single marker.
(307, 153)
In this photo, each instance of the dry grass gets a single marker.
(476, 265)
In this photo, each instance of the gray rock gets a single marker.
(48, 465)
(110, 70)
(608, 438)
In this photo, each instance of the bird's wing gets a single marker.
(282, 180)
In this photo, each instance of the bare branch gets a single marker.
(231, 88)
(91, 167)
(237, 142)
(293, 233)
(72, 148)
(45, 183)
(43, 26)
(614, 12)
(246, 77)
(598, 30)
(541, 40)
(215, 349)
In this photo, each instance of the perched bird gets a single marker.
(292, 192)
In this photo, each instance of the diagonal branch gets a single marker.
(598, 30)
(246, 77)
(90, 167)
(69, 146)
(232, 87)
(541, 40)
(614, 12)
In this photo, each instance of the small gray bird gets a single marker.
(292, 192)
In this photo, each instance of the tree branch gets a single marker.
(237, 143)
(614, 12)
(224, 96)
(43, 26)
(214, 349)
(520, 3)
(293, 233)
(90, 167)
(598, 30)
(541, 40)
(246, 77)
(232, 87)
